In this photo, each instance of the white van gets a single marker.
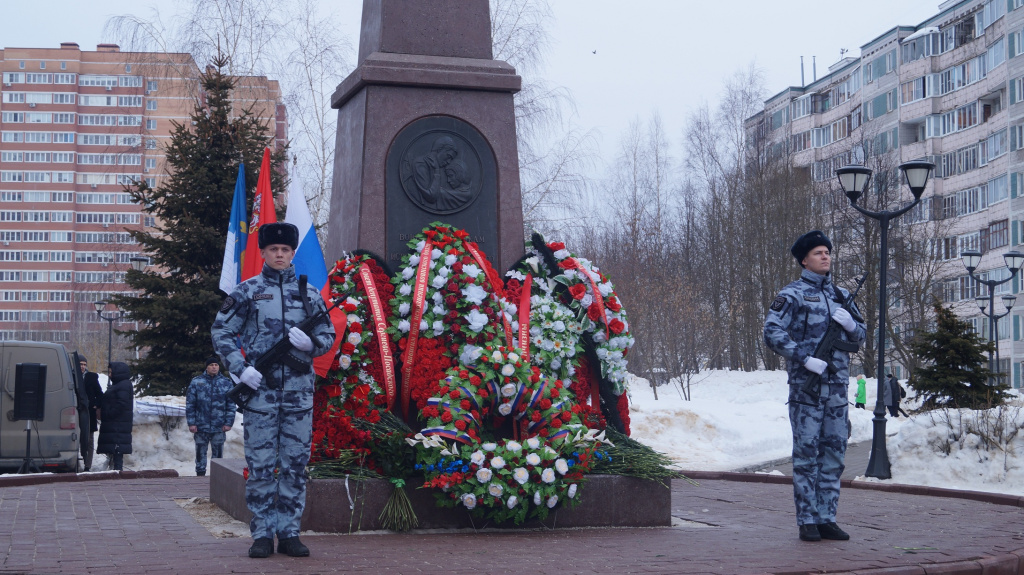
(54, 442)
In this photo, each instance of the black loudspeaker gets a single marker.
(29, 391)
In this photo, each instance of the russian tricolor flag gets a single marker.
(309, 260)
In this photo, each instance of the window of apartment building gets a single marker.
(151, 104)
(64, 118)
(61, 256)
(150, 163)
(129, 159)
(10, 276)
(37, 177)
(37, 156)
(11, 176)
(33, 296)
(37, 216)
(35, 256)
(36, 78)
(10, 216)
(97, 120)
(94, 218)
(150, 144)
(129, 101)
(913, 90)
(63, 137)
(14, 78)
(151, 85)
(10, 196)
(127, 219)
(132, 141)
(39, 98)
(63, 78)
(37, 236)
(10, 236)
(64, 157)
(130, 81)
(129, 120)
(97, 159)
(10, 256)
(150, 124)
(989, 14)
(58, 237)
(62, 196)
(64, 177)
(37, 137)
(945, 248)
(15, 117)
(880, 66)
(149, 221)
(10, 296)
(64, 296)
(97, 80)
(104, 101)
(151, 182)
(62, 216)
(95, 198)
(12, 156)
(12, 136)
(127, 180)
(64, 98)
(800, 142)
(14, 97)
(97, 140)
(997, 235)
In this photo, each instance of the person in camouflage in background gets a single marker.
(795, 323)
(209, 413)
(278, 420)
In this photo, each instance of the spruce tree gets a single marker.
(179, 290)
(956, 370)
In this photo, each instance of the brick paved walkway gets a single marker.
(731, 523)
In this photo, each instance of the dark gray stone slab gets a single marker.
(605, 501)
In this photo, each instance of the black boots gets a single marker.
(812, 532)
(261, 548)
(833, 532)
(808, 532)
(292, 547)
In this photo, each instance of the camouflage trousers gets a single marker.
(204, 440)
(819, 448)
(277, 448)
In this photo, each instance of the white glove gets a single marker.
(813, 364)
(844, 319)
(251, 377)
(300, 340)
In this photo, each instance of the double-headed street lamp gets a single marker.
(1013, 260)
(138, 263)
(854, 180)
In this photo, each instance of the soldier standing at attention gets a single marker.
(278, 420)
(210, 414)
(795, 324)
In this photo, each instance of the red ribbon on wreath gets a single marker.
(419, 296)
(380, 327)
(524, 318)
(496, 285)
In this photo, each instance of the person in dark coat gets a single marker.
(116, 416)
(93, 396)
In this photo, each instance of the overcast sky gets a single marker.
(668, 56)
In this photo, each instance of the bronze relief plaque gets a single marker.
(440, 168)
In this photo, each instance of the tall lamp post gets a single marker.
(854, 180)
(110, 318)
(138, 263)
(1013, 260)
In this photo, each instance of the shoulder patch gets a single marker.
(260, 296)
(229, 302)
(779, 303)
(812, 298)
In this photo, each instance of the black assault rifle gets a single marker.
(833, 341)
(279, 354)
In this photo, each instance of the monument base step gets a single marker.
(605, 501)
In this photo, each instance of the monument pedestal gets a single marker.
(605, 501)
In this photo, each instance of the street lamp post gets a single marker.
(110, 318)
(1013, 260)
(854, 180)
(138, 263)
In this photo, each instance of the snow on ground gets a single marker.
(734, 420)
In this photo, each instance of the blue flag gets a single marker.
(238, 236)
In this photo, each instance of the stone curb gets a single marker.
(47, 478)
(983, 496)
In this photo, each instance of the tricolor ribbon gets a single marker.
(419, 296)
(380, 327)
(496, 285)
(524, 318)
(450, 434)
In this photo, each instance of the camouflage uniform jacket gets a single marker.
(260, 311)
(796, 322)
(206, 404)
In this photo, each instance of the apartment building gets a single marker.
(949, 90)
(76, 126)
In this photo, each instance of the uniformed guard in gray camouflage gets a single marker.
(209, 413)
(278, 420)
(795, 323)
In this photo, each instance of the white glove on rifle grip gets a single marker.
(300, 340)
(251, 377)
(812, 364)
(843, 318)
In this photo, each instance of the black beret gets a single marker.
(279, 233)
(807, 242)
(213, 359)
